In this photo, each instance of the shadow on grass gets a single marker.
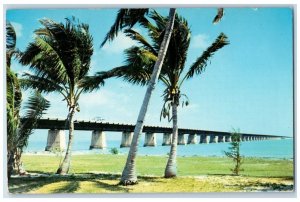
(37, 179)
(70, 187)
(71, 182)
(27, 184)
(266, 186)
(24, 184)
(111, 188)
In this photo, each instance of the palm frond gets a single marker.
(13, 92)
(11, 40)
(91, 83)
(166, 110)
(199, 65)
(128, 73)
(139, 38)
(185, 101)
(11, 36)
(219, 16)
(43, 84)
(13, 106)
(35, 108)
(45, 60)
(125, 18)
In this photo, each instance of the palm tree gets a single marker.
(13, 99)
(14, 95)
(127, 18)
(18, 132)
(60, 57)
(18, 137)
(140, 61)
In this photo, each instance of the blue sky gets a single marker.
(247, 85)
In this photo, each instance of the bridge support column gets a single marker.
(192, 139)
(56, 140)
(181, 140)
(98, 140)
(126, 139)
(167, 139)
(204, 139)
(221, 138)
(243, 138)
(228, 138)
(150, 140)
(213, 139)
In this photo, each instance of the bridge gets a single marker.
(57, 127)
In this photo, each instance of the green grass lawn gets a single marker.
(101, 173)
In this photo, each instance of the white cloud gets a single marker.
(106, 104)
(18, 28)
(118, 44)
(200, 41)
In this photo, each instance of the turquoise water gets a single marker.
(282, 148)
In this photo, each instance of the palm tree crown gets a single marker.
(140, 59)
(60, 57)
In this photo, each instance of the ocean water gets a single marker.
(281, 148)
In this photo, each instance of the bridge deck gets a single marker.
(95, 125)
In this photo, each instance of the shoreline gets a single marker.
(95, 152)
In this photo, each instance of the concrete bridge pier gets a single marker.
(221, 138)
(150, 140)
(98, 140)
(192, 139)
(126, 139)
(213, 139)
(243, 138)
(56, 140)
(167, 139)
(181, 140)
(204, 139)
(228, 138)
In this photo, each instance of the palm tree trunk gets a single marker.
(171, 168)
(10, 163)
(129, 175)
(66, 163)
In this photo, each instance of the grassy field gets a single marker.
(101, 173)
